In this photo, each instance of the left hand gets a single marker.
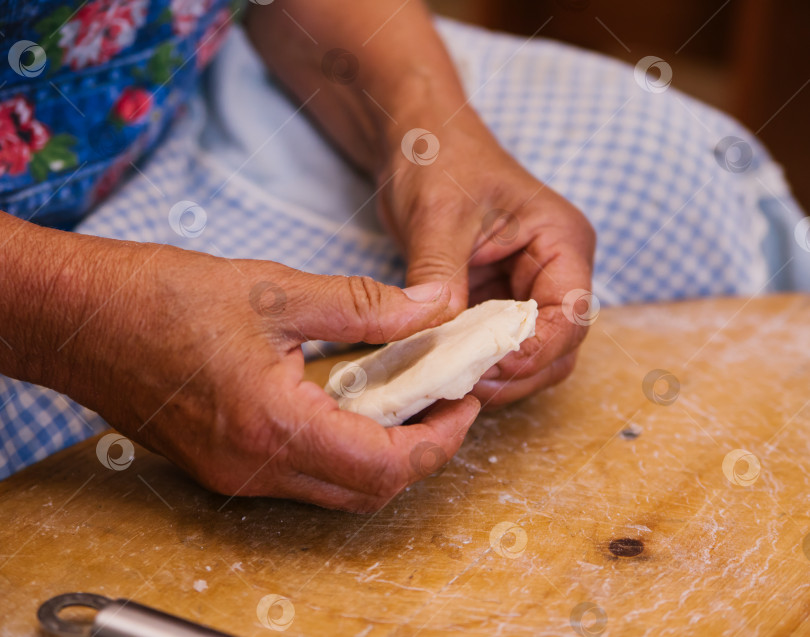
(400, 77)
(478, 221)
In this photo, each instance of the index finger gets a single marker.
(558, 277)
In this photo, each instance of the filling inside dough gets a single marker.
(399, 380)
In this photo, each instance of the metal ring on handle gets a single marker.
(48, 613)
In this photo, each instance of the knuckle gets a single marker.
(438, 263)
(433, 203)
(366, 304)
(558, 326)
(530, 351)
(570, 336)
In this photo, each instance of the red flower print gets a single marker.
(213, 37)
(132, 105)
(20, 135)
(99, 30)
(186, 14)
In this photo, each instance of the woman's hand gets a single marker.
(198, 358)
(372, 77)
(476, 219)
(210, 375)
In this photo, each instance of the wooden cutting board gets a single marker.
(601, 505)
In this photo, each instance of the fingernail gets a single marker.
(424, 292)
(492, 373)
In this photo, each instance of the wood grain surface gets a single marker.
(601, 506)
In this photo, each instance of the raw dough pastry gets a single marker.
(399, 380)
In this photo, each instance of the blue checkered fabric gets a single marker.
(675, 218)
(36, 422)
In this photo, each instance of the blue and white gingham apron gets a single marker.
(675, 215)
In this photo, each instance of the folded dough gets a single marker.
(399, 380)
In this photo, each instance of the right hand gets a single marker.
(198, 358)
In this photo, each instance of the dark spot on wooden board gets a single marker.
(626, 547)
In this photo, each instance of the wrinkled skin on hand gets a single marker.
(203, 365)
(480, 222)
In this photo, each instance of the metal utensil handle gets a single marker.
(123, 618)
(117, 618)
(48, 613)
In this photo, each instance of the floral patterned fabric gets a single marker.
(89, 87)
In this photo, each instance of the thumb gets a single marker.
(441, 256)
(358, 308)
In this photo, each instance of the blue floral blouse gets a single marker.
(87, 88)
